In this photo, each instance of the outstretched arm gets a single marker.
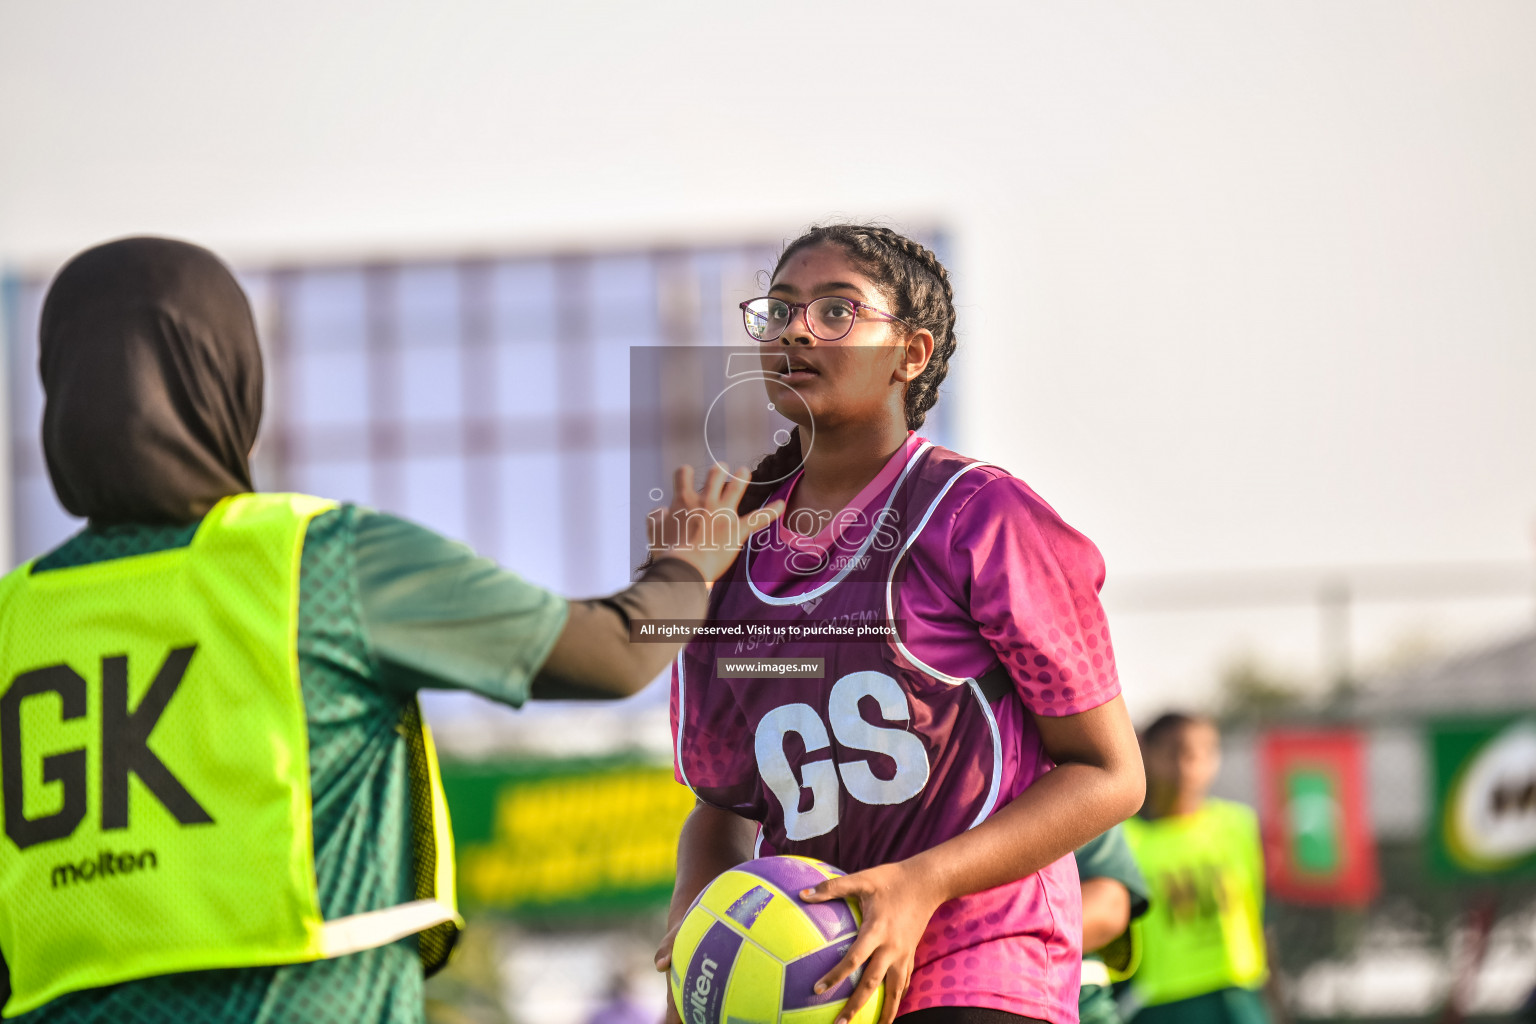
(436, 615)
(693, 542)
(594, 658)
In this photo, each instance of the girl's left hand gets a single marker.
(896, 903)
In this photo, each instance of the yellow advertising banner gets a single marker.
(571, 837)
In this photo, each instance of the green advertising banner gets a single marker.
(536, 838)
(1312, 800)
(1485, 797)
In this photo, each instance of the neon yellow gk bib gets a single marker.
(155, 766)
(1204, 929)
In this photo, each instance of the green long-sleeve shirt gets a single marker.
(1109, 856)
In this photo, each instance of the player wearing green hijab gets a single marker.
(220, 802)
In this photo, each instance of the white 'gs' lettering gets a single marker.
(851, 730)
(820, 776)
(899, 745)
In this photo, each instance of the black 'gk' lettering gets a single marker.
(125, 742)
(67, 768)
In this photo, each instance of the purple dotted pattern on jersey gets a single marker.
(1032, 605)
(1032, 599)
(958, 963)
(727, 715)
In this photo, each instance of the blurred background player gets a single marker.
(1202, 940)
(253, 661)
(626, 1000)
(941, 806)
(1114, 895)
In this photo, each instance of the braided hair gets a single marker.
(924, 300)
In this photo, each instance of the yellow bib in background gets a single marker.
(1204, 930)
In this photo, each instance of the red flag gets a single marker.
(1318, 844)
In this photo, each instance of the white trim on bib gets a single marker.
(373, 928)
(848, 564)
(990, 804)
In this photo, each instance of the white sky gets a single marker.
(1242, 284)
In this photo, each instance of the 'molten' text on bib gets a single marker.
(154, 760)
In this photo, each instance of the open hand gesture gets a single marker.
(701, 526)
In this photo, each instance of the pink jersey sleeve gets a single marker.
(1034, 591)
(677, 763)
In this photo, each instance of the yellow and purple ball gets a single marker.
(750, 950)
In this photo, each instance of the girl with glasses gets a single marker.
(966, 732)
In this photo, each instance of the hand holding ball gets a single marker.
(750, 950)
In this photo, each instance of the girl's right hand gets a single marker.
(663, 963)
(701, 527)
(712, 841)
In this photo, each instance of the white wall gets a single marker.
(1241, 284)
